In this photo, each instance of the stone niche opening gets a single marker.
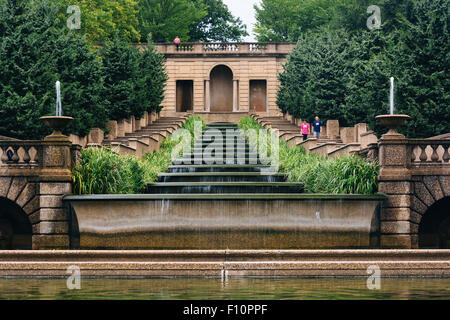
(15, 228)
(434, 229)
(258, 95)
(221, 78)
(185, 95)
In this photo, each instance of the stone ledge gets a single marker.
(245, 262)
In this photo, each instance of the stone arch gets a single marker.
(434, 227)
(18, 202)
(15, 226)
(208, 77)
(429, 194)
(221, 88)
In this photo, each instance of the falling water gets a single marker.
(58, 99)
(391, 100)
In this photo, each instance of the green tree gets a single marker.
(167, 19)
(285, 20)
(314, 77)
(218, 25)
(345, 74)
(123, 85)
(34, 53)
(154, 76)
(101, 20)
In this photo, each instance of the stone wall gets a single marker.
(413, 183)
(245, 64)
(35, 179)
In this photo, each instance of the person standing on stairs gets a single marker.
(305, 129)
(317, 125)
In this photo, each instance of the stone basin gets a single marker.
(224, 221)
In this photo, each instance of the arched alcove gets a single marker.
(15, 228)
(221, 90)
(434, 228)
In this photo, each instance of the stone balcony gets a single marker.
(226, 48)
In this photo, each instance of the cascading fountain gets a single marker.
(207, 202)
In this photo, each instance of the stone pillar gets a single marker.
(112, 129)
(333, 129)
(153, 117)
(235, 95)
(132, 120)
(95, 136)
(395, 181)
(207, 96)
(51, 221)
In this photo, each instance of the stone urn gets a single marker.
(392, 122)
(57, 123)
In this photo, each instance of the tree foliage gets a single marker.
(134, 81)
(344, 74)
(101, 20)
(218, 25)
(167, 19)
(36, 51)
(34, 54)
(286, 20)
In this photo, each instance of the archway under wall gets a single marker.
(221, 89)
(434, 227)
(15, 227)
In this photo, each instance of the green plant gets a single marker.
(347, 175)
(103, 171)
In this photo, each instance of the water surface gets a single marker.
(233, 288)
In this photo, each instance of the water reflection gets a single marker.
(234, 288)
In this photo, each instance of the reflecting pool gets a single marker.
(232, 288)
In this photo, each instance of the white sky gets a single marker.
(244, 10)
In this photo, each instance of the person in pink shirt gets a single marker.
(305, 129)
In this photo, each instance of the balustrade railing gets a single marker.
(20, 152)
(221, 47)
(188, 47)
(425, 151)
(253, 47)
(214, 48)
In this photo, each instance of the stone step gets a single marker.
(222, 177)
(218, 168)
(222, 154)
(224, 187)
(211, 161)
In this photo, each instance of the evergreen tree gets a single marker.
(345, 74)
(122, 87)
(154, 77)
(34, 53)
(218, 25)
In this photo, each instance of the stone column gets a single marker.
(207, 96)
(397, 230)
(51, 222)
(235, 95)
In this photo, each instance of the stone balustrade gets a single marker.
(429, 152)
(225, 48)
(16, 152)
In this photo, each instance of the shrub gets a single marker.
(348, 174)
(103, 171)
(35, 52)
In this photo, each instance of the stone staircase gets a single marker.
(229, 166)
(146, 138)
(338, 141)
